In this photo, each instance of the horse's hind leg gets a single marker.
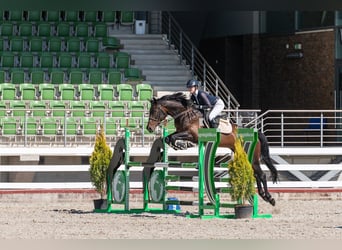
(261, 181)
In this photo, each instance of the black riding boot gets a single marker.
(214, 123)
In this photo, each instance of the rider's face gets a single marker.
(192, 90)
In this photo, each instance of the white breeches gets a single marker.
(218, 108)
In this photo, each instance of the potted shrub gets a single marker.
(99, 162)
(242, 181)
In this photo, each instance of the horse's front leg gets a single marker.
(179, 140)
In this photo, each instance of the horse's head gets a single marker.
(156, 116)
(167, 105)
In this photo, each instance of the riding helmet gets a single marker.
(192, 83)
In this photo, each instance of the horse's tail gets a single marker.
(265, 154)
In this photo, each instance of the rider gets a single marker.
(204, 100)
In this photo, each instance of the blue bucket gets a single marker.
(173, 207)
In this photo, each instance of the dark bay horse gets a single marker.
(186, 120)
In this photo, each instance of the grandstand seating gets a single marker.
(55, 64)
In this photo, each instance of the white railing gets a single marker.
(287, 128)
(323, 182)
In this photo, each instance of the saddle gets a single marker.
(225, 126)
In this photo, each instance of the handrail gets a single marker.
(285, 128)
(190, 55)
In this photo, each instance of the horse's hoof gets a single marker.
(272, 201)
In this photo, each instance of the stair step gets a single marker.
(155, 62)
(158, 78)
(143, 51)
(154, 57)
(168, 72)
(144, 46)
(161, 67)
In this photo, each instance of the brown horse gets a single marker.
(186, 120)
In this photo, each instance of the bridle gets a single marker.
(161, 112)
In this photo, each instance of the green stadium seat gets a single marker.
(17, 44)
(89, 125)
(44, 30)
(92, 45)
(111, 43)
(9, 126)
(100, 30)
(25, 29)
(26, 60)
(63, 29)
(128, 122)
(7, 30)
(30, 126)
(136, 108)
(7, 62)
(109, 17)
(50, 125)
(114, 77)
(36, 45)
(18, 108)
(84, 61)
(57, 76)
(58, 108)
(98, 108)
(70, 125)
(82, 30)
(47, 91)
(53, 16)
(122, 62)
(87, 91)
(8, 91)
(67, 91)
(55, 44)
(95, 77)
(17, 76)
(78, 108)
(144, 91)
(76, 77)
(90, 16)
(118, 108)
(46, 60)
(110, 126)
(74, 45)
(38, 108)
(34, 16)
(15, 15)
(37, 77)
(125, 92)
(103, 60)
(28, 91)
(71, 16)
(132, 74)
(127, 18)
(106, 92)
(64, 61)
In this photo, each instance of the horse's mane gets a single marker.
(178, 97)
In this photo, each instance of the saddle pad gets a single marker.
(225, 126)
